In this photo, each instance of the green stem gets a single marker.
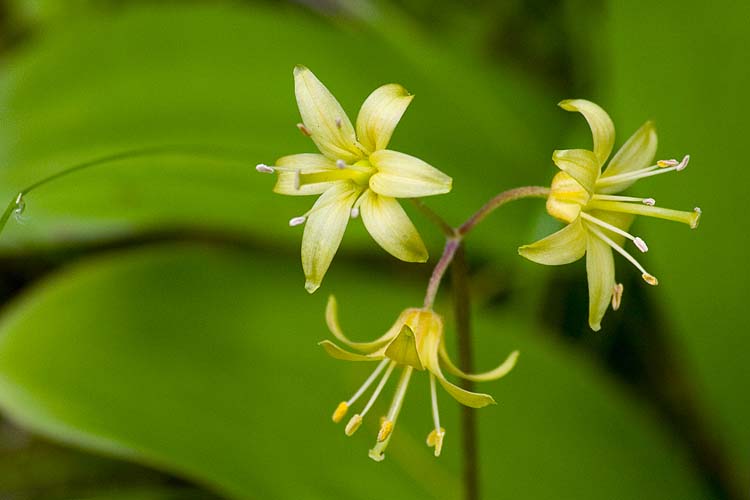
(500, 200)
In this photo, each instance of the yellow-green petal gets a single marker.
(332, 320)
(306, 163)
(602, 128)
(600, 270)
(563, 247)
(580, 164)
(324, 118)
(500, 371)
(638, 152)
(380, 114)
(403, 349)
(324, 229)
(336, 352)
(403, 176)
(389, 225)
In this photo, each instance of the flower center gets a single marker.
(566, 199)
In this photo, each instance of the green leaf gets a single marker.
(203, 361)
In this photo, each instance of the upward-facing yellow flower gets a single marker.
(355, 174)
(584, 197)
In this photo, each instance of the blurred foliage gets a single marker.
(157, 313)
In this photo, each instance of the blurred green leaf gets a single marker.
(685, 65)
(220, 76)
(203, 361)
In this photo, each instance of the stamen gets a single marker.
(379, 388)
(341, 164)
(661, 167)
(353, 424)
(683, 164)
(667, 163)
(617, 296)
(368, 382)
(338, 123)
(648, 278)
(640, 244)
(264, 169)
(386, 428)
(355, 212)
(21, 205)
(340, 412)
(638, 241)
(304, 130)
(296, 221)
(612, 197)
(435, 438)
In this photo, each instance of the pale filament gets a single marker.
(433, 395)
(378, 388)
(643, 173)
(612, 197)
(368, 382)
(619, 249)
(636, 240)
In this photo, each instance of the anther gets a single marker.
(20, 205)
(338, 123)
(649, 201)
(341, 164)
(667, 163)
(435, 439)
(353, 424)
(640, 244)
(385, 430)
(296, 221)
(650, 279)
(355, 212)
(683, 164)
(303, 129)
(264, 169)
(340, 411)
(617, 296)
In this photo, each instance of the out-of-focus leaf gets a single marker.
(221, 76)
(685, 66)
(203, 361)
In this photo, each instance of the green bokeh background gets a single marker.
(156, 342)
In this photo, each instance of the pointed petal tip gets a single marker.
(311, 286)
(595, 326)
(299, 68)
(567, 104)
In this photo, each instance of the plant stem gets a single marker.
(451, 245)
(500, 200)
(462, 310)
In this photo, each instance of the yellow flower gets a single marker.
(414, 342)
(355, 174)
(583, 196)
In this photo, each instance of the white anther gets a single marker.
(698, 210)
(650, 202)
(667, 163)
(355, 213)
(683, 164)
(264, 169)
(338, 123)
(341, 164)
(303, 129)
(617, 296)
(640, 244)
(296, 221)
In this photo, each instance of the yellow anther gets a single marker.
(617, 296)
(435, 439)
(353, 424)
(650, 279)
(340, 411)
(303, 129)
(385, 430)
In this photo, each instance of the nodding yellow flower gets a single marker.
(584, 197)
(414, 342)
(355, 174)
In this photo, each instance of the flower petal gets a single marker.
(324, 229)
(403, 349)
(330, 128)
(600, 270)
(580, 164)
(404, 176)
(502, 370)
(380, 114)
(307, 163)
(602, 128)
(637, 153)
(336, 352)
(389, 225)
(332, 320)
(563, 247)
